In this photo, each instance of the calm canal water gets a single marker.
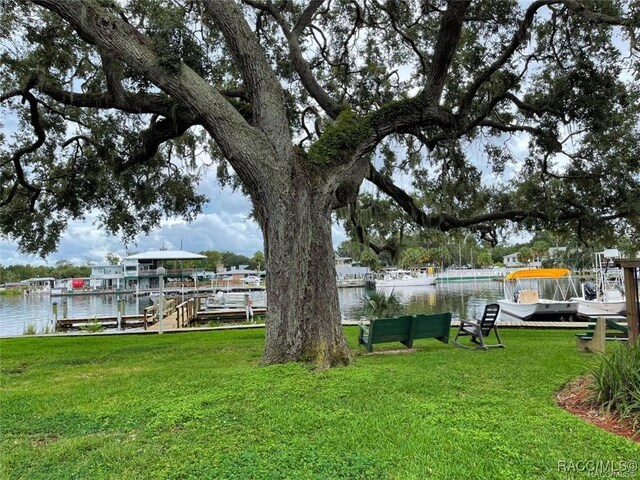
(464, 300)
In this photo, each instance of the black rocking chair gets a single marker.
(478, 331)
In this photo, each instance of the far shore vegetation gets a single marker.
(12, 292)
(198, 405)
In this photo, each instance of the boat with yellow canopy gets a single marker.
(540, 292)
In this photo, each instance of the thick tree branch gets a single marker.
(326, 102)
(445, 47)
(239, 142)
(601, 18)
(136, 103)
(15, 159)
(443, 222)
(113, 72)
(530, 109)
(41, 137)
(306, 17)
(264, 89)
(158, 133)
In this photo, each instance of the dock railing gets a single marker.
(184, 312)
(151, 313)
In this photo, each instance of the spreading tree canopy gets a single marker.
(118, 101)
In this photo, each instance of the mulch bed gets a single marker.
(575, 399)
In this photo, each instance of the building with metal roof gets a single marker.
(166, 255)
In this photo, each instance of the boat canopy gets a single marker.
(539, 273)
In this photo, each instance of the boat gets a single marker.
(607, 294)
(525, 290)
(231, 305)
(228, 300)
(38, 286)
(404, 278)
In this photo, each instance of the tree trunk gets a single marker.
(303, 320)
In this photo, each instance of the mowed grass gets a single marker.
(198, 406)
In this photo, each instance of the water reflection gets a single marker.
(16, 313)
(464, 300)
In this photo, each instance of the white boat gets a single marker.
(228, 300)
(404, 278)
(524, 292)
(607, 294)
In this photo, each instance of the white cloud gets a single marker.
(224, 225)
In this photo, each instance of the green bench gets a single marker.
(405, 329)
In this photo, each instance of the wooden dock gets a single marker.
(175, 316)
(110, 321)
(186, 315)
(512, 324)
(171, 321)
(588, 311)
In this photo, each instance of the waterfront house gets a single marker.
(511, 260)
(107, 277)
(140, 269)
(239, 275)
(348, 274)
(39, 285)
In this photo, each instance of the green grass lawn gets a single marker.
(198, 406)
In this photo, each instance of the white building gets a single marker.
(511, 260)
(107, 277)
(139, 271)
(349, 275)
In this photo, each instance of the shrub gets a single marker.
(30, 329)
(380, 305)
(11, 292)
(92, 327)
(616, 382)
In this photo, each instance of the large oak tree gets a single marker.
(116, 99)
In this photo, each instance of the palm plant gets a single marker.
(380, 305)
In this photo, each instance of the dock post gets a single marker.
(54, 310)
(247, 305)
(160, 271)
(64, 309)
(119, 301)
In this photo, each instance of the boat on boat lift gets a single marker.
(404, 278)
(524, 290)
(607, 293)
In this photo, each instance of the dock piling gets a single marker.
(119, 301)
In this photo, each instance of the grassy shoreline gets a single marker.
(197, 406)
(11, 292)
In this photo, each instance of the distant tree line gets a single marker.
(62, 269)
(465, 251)
(229, 259)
